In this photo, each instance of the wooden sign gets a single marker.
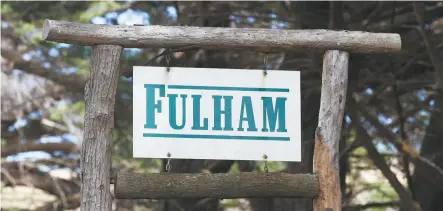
(222, 114)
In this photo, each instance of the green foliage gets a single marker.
(77, 108)
(138, 165)
(3, 143)
(234, 168)
(360, 151)
(96, 9)
(386, 193)
(273, 166)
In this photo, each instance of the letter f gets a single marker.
(151, 105)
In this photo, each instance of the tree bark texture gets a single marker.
(95, 161)
(252, 39)
(327, 134)
(220, 186)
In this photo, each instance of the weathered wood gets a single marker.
(327, 135)
(225, 186)
(99, 121)
(262, 40)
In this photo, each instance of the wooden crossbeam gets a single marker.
(251, 39)
(223, 186)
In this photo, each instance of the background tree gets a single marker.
(391, 149)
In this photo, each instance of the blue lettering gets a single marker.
(151, 106)
(218, 112)
(246, 106)
(196, 114)
(271, 114)
(173, 111)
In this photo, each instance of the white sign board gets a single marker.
(221, 114)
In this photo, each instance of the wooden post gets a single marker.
(225, 186)
(327, 135)
(95, 161)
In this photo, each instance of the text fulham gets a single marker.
(273, 110)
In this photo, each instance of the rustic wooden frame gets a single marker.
(108, 42)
